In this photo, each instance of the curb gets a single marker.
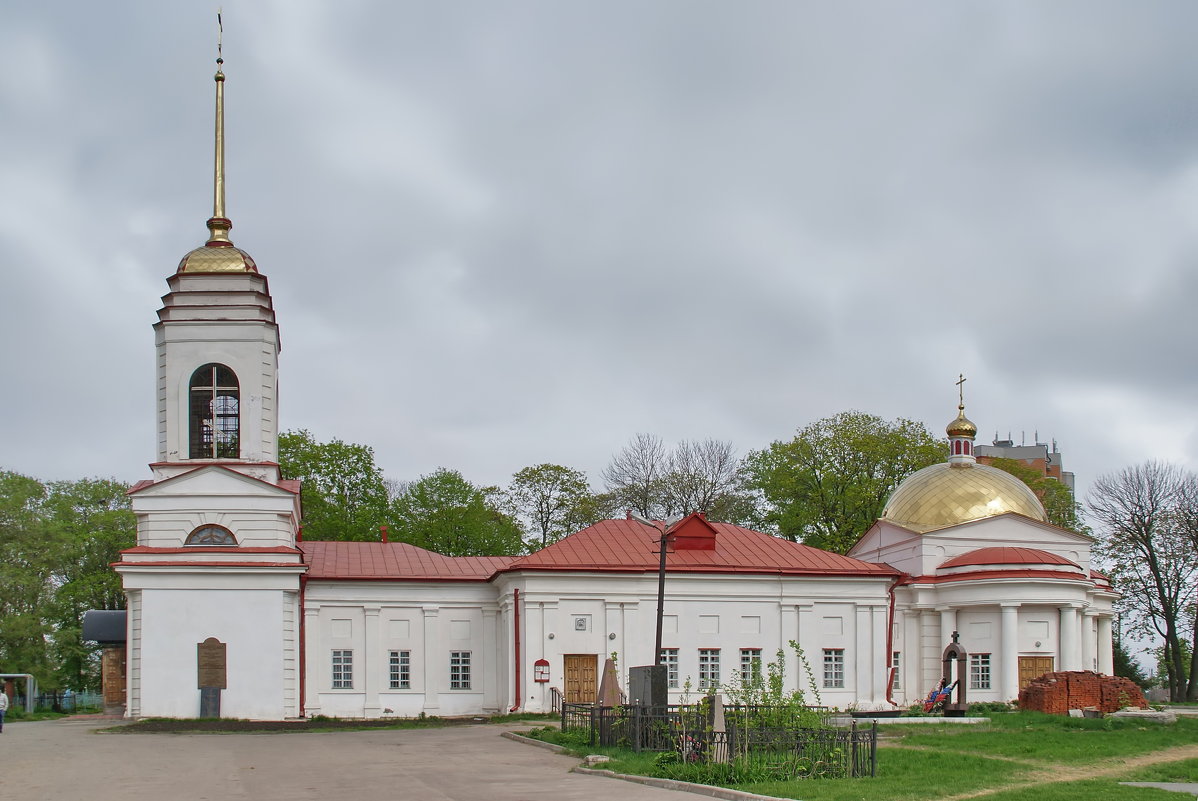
(511, 735)
(686, 787)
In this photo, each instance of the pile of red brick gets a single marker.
(1057, 693)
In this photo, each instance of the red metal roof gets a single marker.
(629, 546)
(608, 546)
(395, 561)
(1008, 556)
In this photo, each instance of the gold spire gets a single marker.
(218, 255)
(219, 225)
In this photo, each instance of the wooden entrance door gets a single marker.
(582, 672)
(1033, 667)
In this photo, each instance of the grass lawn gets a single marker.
(1017, 757)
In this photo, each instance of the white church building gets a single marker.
(358, 629)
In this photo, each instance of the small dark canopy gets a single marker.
(104, 626)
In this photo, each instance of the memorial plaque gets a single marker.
(210, 664)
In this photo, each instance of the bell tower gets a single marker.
(217, 348)
(216, 567)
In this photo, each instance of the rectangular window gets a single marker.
(834, 668)
(669, 658)
(750, 665)
(979, 671)
(343, 670)
(896, 662)
(709, 668)
(459, 670)
(400, 669)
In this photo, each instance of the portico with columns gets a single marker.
(980, 558)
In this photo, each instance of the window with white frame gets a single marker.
(399, 669)
(343, 670)
(459, 670)
(979, 671)
(750, 665)
(834, 668)
(896, 662)
(709, 668)
(669, 658)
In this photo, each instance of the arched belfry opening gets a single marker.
(214, 413)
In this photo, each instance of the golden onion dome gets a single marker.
(946, 495)
(209, 259)
(962, 426)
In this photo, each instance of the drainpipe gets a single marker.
(519, 682)
(890, 646)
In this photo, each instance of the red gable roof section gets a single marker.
(1008, 556)
(394, 561)
(631, 547)
(692, 533)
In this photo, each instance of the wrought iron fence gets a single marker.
(66, 701)
(752, 745)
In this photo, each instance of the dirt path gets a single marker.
(1053, 773)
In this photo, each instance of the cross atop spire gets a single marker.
(961, 392)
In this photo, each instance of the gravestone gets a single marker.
(647, 686)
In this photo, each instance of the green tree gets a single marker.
(343, 491)
(27, 553)
(92, 523)
(828, 484)
(1062, 508)
(546, 499)
(1125, 665)
(444, 512)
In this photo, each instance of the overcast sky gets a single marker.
(499, 234)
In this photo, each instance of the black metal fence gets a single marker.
(69, 702)
(756, 742)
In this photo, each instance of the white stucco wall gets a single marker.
(251, 624)
(428, 621)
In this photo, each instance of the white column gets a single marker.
(1070, 642)
(931, 647)
(1008, 669)
(313, 661)
(881, 656)
(1106, 646)
(436, 663)
(487, 662)
(803, 629)
(863, 654)
(1089, 640)
(507, 635)
(912, 664)
(372, 669)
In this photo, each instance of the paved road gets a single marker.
(65, 759)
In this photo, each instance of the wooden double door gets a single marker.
(1033, 667)
(582, 678)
